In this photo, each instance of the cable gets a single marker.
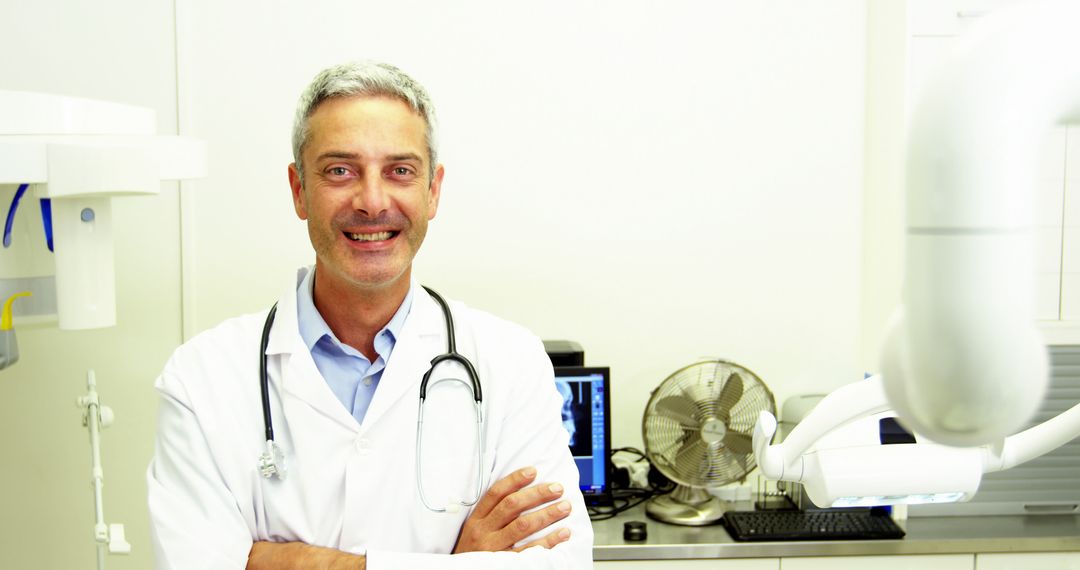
(633, 450)
(630, 497)
(620, 504)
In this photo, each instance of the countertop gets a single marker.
(925, 535)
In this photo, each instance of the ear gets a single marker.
(435, 191)
(297, 192)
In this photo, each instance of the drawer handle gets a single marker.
(1051, 508)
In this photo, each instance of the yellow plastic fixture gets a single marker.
(5, 319)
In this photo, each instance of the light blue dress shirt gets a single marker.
(350, 375)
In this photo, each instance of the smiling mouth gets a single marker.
(377, 236)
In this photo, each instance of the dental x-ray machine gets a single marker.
(75, 156)
(964, 364)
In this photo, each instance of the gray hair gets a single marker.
(362, 78)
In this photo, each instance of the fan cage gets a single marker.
(676, 446)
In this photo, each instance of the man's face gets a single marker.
(366, 194)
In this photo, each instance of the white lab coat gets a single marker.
(351, 487)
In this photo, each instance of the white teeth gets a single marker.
(370, 237)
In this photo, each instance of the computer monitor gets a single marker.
(586, 415)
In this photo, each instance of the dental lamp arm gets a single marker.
(784, 461)
(1033, 442)
(964, 363)
(854, 474)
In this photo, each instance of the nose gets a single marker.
(371, 197)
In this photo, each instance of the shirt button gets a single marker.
(367, 381)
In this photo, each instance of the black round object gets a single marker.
(635, 531)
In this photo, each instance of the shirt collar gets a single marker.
(313, 327)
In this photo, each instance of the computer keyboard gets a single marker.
(831, 524)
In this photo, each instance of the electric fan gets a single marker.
(697, 429)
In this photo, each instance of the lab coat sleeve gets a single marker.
(532, 434)
(194, 519)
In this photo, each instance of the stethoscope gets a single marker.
(272, 461)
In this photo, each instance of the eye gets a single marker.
(337, 171)
(403, 173)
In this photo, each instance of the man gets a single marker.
(344, 354)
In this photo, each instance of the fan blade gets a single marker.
(680, 409)
(689, 461)
(668, 443)
(740, 443)
(729, 396)
(744, 463)
(700, 396)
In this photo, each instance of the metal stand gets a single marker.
(96, 417)
(691, 506)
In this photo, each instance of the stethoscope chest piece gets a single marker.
(272, 462)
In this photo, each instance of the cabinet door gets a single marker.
(948, 17)
(711, 564)
(1047, 224)
(1040, 560)
(1070, 278)
(896, 562)
(933, 26)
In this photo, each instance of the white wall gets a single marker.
(656, 182)
(883, 198)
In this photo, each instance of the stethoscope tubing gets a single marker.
(271, 463)
(264, 379)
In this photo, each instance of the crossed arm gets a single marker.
(500, 520)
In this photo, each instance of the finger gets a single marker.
(503, 487)
(548, 541)
(531, 523)
(512, 505)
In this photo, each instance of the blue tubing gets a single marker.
(46, 218)
(10, 223)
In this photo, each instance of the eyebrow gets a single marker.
(405, 157)
(352, 156)
(337, 154)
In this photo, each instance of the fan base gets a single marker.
(669, 509)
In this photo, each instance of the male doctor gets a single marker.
(345, 355)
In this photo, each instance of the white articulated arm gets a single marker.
(786, 461)
(852, 467)
(1033, 442)
(964, 363)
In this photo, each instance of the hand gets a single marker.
(286, 555)
(497, 522)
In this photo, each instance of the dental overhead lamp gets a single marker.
(964, 364)
(75, 156)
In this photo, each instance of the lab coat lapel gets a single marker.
(301, 377)
(422, 339)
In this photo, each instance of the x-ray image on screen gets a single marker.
(585, 411)
(567, 394)
(577, 415)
